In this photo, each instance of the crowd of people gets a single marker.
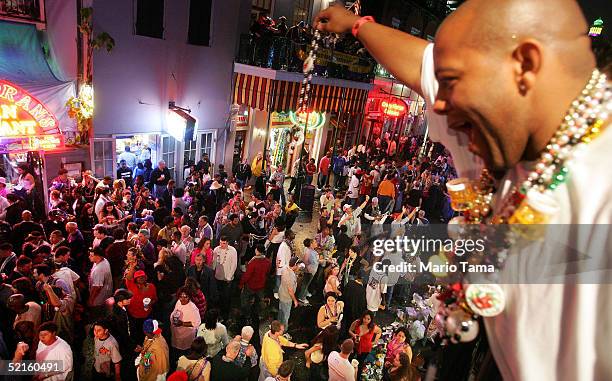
(275, 44)
(136, 278)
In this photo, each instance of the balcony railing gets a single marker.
(281, 53)
(29, 11)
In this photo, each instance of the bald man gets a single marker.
(508, 81)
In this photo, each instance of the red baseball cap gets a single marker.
(139, 273)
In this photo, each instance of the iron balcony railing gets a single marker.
(281, 53)
(28, 11)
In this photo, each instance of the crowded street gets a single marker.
(289, 190)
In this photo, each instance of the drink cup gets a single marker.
(462, 194)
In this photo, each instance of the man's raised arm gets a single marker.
(400, 53)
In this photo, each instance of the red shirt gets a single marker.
(310, 169)
(324, 165)
(136, 307)
(365, 342)
(256, 273)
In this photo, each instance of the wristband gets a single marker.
(359, 23)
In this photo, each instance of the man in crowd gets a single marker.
(340, 368)
(128, 157)
(160, 178)
(107, 355)
(122, 329)
(224, 367)
(225, 263)
(124, 173)
(153, 361)
(253, 281)
(100, 281)
(288, 290)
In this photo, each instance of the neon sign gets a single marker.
(597, 28)
(394, 108)
(25, 123)
(315, 119)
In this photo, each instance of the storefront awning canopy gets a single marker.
(27, 70)
(282, 96)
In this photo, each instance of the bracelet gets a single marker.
(359, 23)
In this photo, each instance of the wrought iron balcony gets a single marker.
(27, 11)
(281, 53)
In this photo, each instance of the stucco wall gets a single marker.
(134, 83)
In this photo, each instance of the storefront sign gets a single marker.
(393, 107)
(315, 120)
(25, 123)
(290, 119)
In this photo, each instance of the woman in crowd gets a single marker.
(365, 333)
(316, 356)
(332, 283)
(401, 370)
(398, 345)
(195, 363)
(134, 261)
(331, 312)
(185, 320)
(213, 332)
(195, 295)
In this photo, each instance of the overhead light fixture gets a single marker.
(179, 124)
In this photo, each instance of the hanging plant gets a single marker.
(81, 107)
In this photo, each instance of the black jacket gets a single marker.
(122, 330)
(207, 281)
(156, 173)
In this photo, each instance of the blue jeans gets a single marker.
(277, 283)
(322, 180)
(306, 280)
(284, 311)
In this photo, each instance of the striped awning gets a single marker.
(253, 91)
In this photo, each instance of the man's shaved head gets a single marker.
(506, 77)
(496, 25)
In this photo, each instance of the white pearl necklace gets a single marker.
(585, 116)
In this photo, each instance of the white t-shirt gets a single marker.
(548, 330)
(106, 354)
(69, 277)
(101, 276)
(58, 351)
(282, 258)
(182, 337)
(377, 285)
(353, 190)
(551, 330)
(340, 369)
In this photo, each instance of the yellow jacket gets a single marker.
(272, 352)
(257, 167)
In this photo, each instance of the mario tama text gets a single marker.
(431, 267)
(415, 246)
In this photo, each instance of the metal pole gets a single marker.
(270, 111)
(300, 175)
(335, 134)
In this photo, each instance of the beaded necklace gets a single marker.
(584, 121)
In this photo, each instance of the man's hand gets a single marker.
(335, 19)
(296, 303)
(138, 349)
(20, 352)
(301, 346)
(250, 351)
